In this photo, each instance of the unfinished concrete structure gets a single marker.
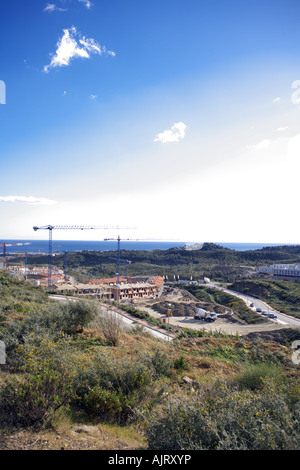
(110, 289)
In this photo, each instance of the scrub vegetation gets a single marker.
(66, 369)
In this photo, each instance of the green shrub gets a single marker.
(122, 384)
(108, 405)
(103, 404)
(34, 400)
(253, 376)
(160, 363)
(75, 315)
(180, 364)
(260, 353)
(44, 384)
(224, 418)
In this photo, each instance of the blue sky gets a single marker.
(178, 118)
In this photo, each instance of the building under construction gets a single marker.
(110, 289)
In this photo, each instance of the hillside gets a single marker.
(74, 379)
(212, 261)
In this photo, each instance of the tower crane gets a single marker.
(4, 245)
(119, 260)
(68, 227)
(126, 261)
(66, 260)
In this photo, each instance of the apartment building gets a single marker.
(281, 270)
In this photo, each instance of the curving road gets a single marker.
(281, 317)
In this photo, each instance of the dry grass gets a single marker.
(75, 437)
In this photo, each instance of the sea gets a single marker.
(61, 246)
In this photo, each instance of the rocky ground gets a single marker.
(79, 437)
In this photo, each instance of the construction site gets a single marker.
(119, 288)
(153, 293)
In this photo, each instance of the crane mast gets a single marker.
(4, 245)
(119, 260)
(50, 228)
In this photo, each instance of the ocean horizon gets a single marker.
(60, 246)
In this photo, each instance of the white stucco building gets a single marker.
(281, 270)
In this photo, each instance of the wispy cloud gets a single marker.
(276, 100)
(51, 7)
(28, 200)
(73, 45)
(176, 133)
(260, 145)
(282, 129)
(87, 3)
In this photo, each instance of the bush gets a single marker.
(108, 405)
(44, 384)
(121, 384)
(110, 327)
(254, 375)
(160, 363)
(77, 315)
(225, 418)
(180, 364)
(34, 400)
(49, 323)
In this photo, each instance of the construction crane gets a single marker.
(66, 260)
(50, 228)
(126, 261)
(4, 245)
(119, 260)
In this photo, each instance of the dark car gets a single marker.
(271, 315)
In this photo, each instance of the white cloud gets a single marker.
(111, 53)
(68, 48)
(50, 7)
(87, 3)
(282, 129)
(28, 200)
(174, 134)
(261, 145)
(91, 45)
(276, 100)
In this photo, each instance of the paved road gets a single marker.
(281, 317)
